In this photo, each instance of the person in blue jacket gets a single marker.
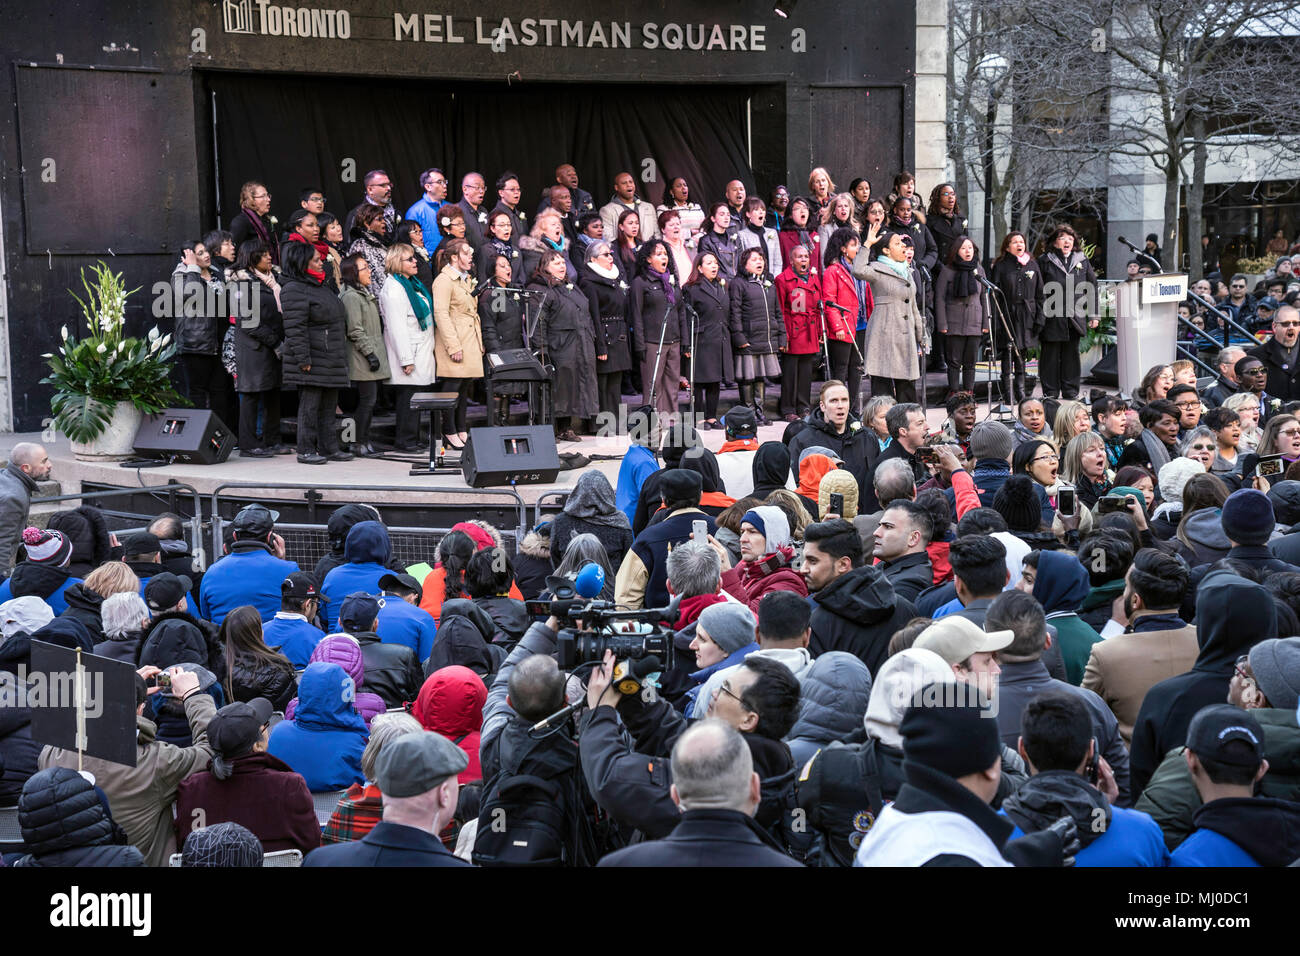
(43, 572)
(1225, 754)
(639, 461)
(293, 631)
(401, 619)
(366, 552)
(1057, 744)
(251, 573)
(327, 736)
(725, 634)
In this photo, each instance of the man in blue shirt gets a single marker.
(425, 209)
(293, 631)
(401, 619)
(1225, 754)
(251, 573)
(1069, 778)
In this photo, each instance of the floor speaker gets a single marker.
(195, 436)
(502, 456)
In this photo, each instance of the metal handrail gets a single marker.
(559, 494)
(1226, 320)
(218, 521)
(1196, 360)
(172, 488)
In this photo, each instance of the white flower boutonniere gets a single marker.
(622, 285)
(514, 253)
(274, 221)
(1275, 404)
(472, 283)
(569, 286)
(515, 297)
(672, 279)
(1029, 274)
(855, 426)
(965, 223)
(812, 272)
(767, 284)
(722, 282)
(482, 217)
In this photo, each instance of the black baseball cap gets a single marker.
(236, 728)
(141, 543)
(401, 582)
(255, 520)
(1215, 729)
(300, 586)
(740, 422)
(164, 591)
(359, 609)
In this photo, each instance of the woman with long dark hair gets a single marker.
(677, 198)
(457, 339)
(252, 668)
(446, 582)
(499, 242)
(846, 298)
(944, 220)
(607, 295)
(706, 295)
(627, 242)
(368, 356)
(567, 335)
(659, 326)
(331, 231)
(756, 311)
(315, 324)
(407, 310)
(257, 362)
(501, 316)
(719, 241)
(1020, 294)
(797, 229)
(961, 312)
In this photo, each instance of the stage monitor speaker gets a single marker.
(195, 436)
(501, 456)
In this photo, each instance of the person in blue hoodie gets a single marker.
(1069, 778)
(326, 737)
(639, 461)
(251, 573)
(725, 634)
(293, 631)
(1233, 827)
(366, 552)
(401, 619)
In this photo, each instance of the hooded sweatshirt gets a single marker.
(1242, 831)
(1060, 587)
(1111, 836)
(858, 612)
(1204, 529)
(343, 520)
(1232, 616)
(450, 703)
(365, 558)
(771, 469)
(326, 737)
(344, 650)
(41, 580)
(834, 692)
(851, 446)
(465, 637)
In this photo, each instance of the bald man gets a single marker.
(580, 200)
(473, 188)
(29, 463)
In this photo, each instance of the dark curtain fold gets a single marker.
(292, 132)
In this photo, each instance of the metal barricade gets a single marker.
(560, 497)
(307, 541)
(124, 522)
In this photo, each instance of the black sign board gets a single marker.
(83, 702)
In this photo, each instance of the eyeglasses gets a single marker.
(408, 259)
(1194, 403)
(1239, 285)
(1050, 459)
(1239, 668)
(730, 693)
(381, 184)
(1285, 325)
(1288, 433)
(1199, 447)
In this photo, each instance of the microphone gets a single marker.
(985, 282)
(590, 581)
(1155, 264)
(835, 305)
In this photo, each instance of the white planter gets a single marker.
(117, 441)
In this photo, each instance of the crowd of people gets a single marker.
(1068, 640)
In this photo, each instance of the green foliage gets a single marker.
(91, 375)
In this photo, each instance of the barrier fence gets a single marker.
(125, 521)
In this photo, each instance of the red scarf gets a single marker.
(692, 607)
(739, 444)
(751, 571)
(321, 247)
(318, 276)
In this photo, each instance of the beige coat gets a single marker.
(1122, 669)
(455, 315)
(141, 797)
(895, 328)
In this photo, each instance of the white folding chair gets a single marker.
(283, 858)
(325, 801)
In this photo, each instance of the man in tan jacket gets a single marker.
(1152, 642)
(141, 797)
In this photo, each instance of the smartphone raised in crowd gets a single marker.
(837, 504)
(700, 531)
(1067, 501)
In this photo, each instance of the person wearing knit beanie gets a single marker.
(838, 482)
(991, 439)
(1017, 501)
(1275, 664)
(771, 522)
(729, 625)
(1174, 475)
(50, 548)
(1247, 517)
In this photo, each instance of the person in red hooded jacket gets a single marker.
(799, 292)
(451, 703)
(452, 558)
(766, 551)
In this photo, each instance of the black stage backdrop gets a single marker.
(294, 132)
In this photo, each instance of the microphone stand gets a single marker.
(654, 383)
(1155, 264)
(694, 316)
(826, 353)
(1012, 348)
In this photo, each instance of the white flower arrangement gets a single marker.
(1275, 404)
(855, 426)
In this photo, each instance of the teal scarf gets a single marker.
(419, 300)
(900, 268)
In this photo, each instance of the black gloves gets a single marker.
(373, 361)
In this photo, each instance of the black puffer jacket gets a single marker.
(501, 316)
(652, 316)
(18, 752)
(315, 334)
(853, 446)
(392, 670)
(179, 638)
(248, 676)
(85, 605)
(858, 612)
(257, 339)
(757, 313)
(465, 634)
(65, 822)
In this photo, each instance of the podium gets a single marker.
(1146, 325)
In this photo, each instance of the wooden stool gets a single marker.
(435, 402)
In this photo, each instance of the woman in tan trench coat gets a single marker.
(458, 336)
